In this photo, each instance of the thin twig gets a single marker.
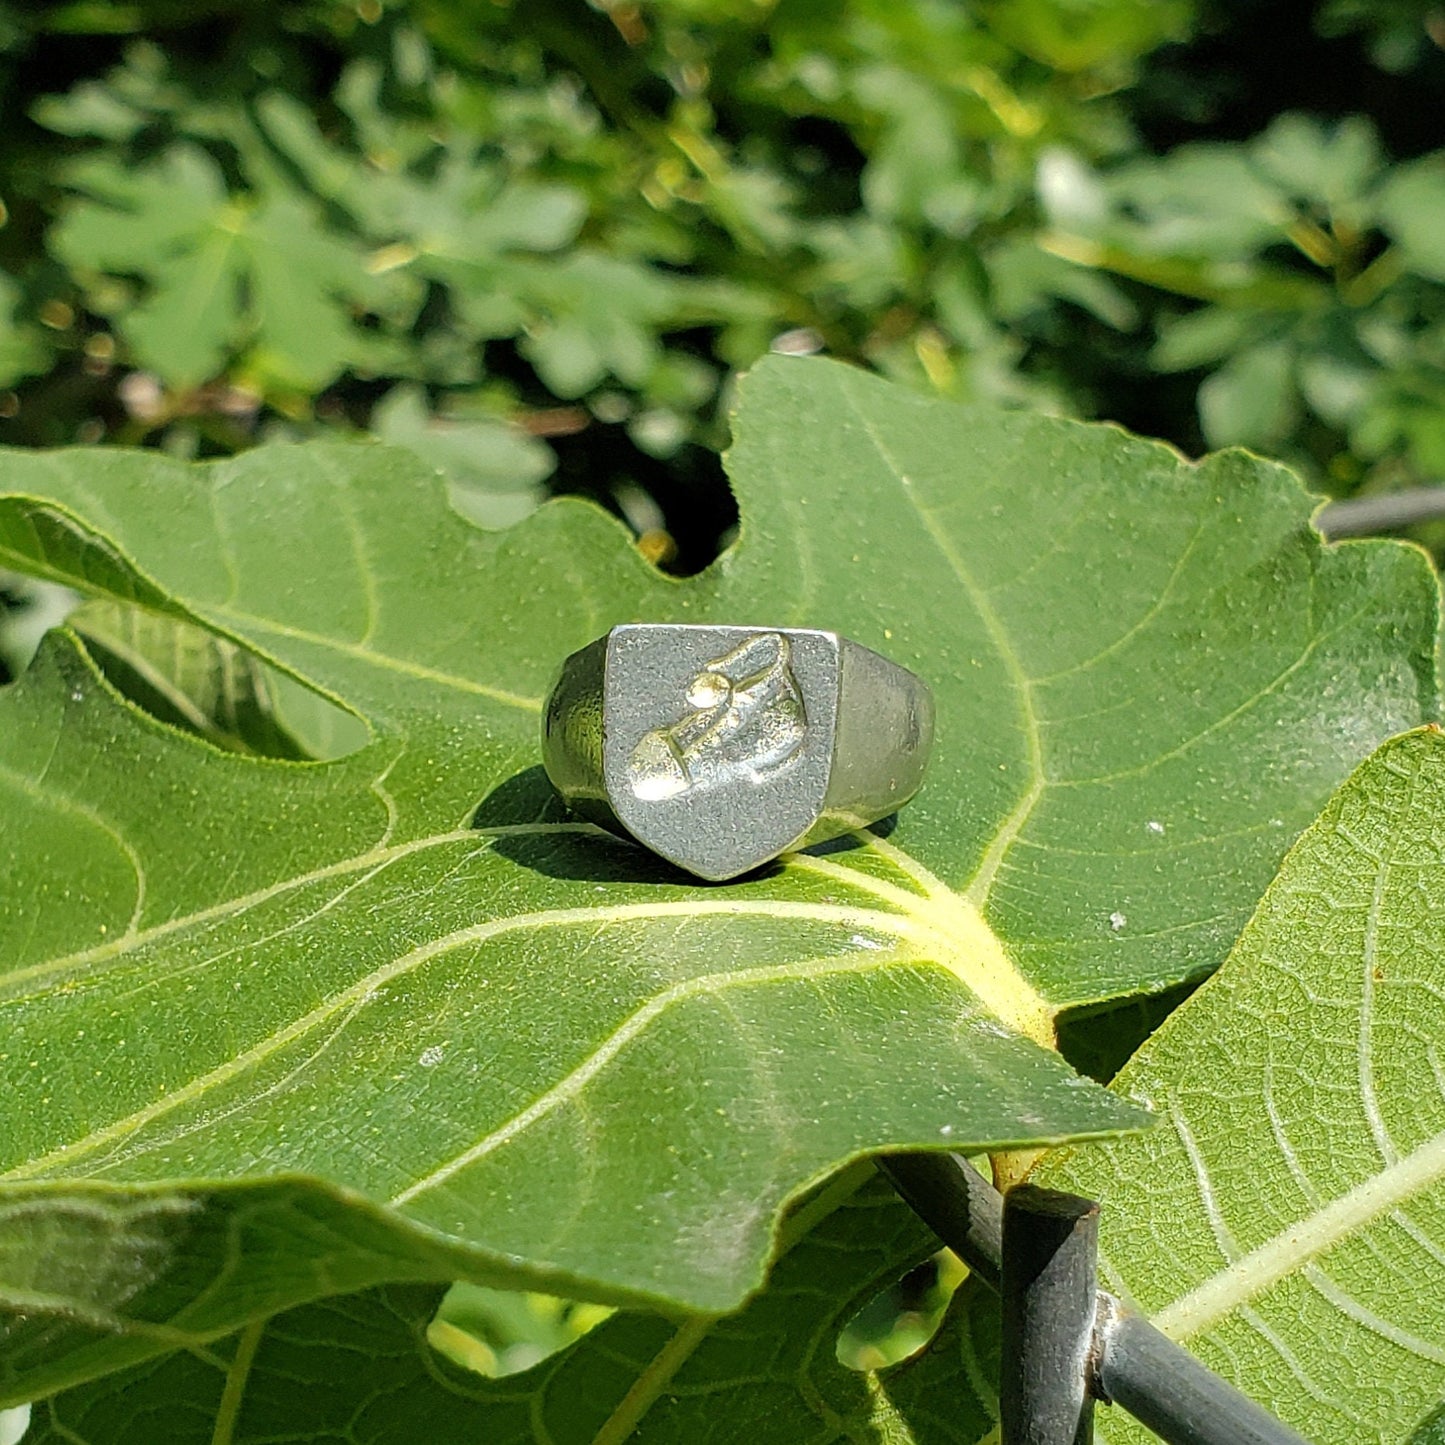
(1383, 512)
(1133, 1365)
(1049, 1305)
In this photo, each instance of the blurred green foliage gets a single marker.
(533, 239)
(899, 1321)
(503, 1332)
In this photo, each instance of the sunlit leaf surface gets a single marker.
(402, 980)
(1287, 1219)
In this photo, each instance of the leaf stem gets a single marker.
(236, 1377)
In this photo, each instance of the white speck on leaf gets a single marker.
(861, 940)
(1117, 921)
(1154, 826)
(431, 1057)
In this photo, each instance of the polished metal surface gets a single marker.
(722, 747)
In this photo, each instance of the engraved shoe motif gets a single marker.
(747, 718)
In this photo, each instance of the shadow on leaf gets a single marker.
(528, 800)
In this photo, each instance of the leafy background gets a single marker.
(534, 240)
(531, 242)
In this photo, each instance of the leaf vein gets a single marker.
(233, 907)
(1271, 687)
(479, 933)
(570, 1087)
(1368, 1319)
(993, 853)
(102, 824)
(1296, 1245)
(382, 660)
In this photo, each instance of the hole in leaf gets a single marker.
(188, 677)
(900, 1320)
(498, 1332)
(698, 514)
(29, 608)
(1100, 1041)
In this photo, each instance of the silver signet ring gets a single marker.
(722, 747)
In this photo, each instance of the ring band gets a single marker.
(722, 747)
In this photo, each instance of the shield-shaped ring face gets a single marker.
(718, 741)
